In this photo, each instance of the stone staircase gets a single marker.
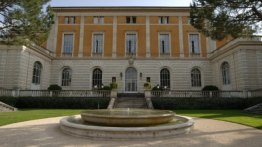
(257, 109)
(6, 108)
(131, 100)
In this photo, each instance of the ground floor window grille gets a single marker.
(195, 78)
(37, 73)
(164, 78)
(97, 78)
(225, 73)
(66, 77)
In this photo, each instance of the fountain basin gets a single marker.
(76, 126)
(127, 117)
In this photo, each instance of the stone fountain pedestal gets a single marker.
(76, 126)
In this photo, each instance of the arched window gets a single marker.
(66, 77)
(164, 78)
(225, 73)
(37, 73)
(196, 78)
(97, 77)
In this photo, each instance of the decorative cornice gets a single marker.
(121, 9)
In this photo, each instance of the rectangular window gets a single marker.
(166, 20)
(131, 43)
(128, 19)
(67, 20)
(160, 19)
(95, 19)
(164, 43)
(68, 43)
(188, 20)
(98, 43)
(194, 43)
(72, 20)
(133, 19)
(102, 19)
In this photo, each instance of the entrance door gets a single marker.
(131, 80)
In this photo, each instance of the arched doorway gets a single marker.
(131, 80)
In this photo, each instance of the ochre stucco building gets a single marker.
(91, 46)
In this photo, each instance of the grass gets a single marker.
(32, 114)
(235, 116)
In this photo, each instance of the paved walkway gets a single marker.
(207, 133)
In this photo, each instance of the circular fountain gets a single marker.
(126, 124)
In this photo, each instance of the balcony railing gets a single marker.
(203, 94)
(64, 93)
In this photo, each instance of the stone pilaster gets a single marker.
(114, 36)
(147, 36)
(81, 40)
(181, 40)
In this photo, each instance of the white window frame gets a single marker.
(164, 33)
(37, 76)
(74, 19)
(67, 19)
(131, 33)
(201, 79)
(95, 20)
(226, 79)
(69, 33)
(61, 79)
(188, 20)
(166, 19)
(98, 33)
(162, 21)
(100, 18)
(200, 48)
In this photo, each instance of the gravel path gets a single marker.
(207, 133)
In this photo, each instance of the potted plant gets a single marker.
(55, 89)
(114, 85)
(147, 85)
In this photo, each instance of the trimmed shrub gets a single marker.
(157, 89)
(210, 88)
(54, 87)
(106, 88)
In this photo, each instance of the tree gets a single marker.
(221, 18)
(24, 22)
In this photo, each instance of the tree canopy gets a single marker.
(24, 22)
(221, 18)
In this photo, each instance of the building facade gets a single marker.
(91, 46)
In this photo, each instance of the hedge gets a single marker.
(204, 103)
(158, 103)
(57, 102)
(9, 100)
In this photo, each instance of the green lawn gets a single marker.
(235, 116)
(32, 114)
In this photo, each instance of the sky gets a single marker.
(82, 3)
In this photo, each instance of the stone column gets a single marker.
(147, 36)
(81, 40)
(181, 40)
(114, 36)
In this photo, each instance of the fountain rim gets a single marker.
(168, 113)
(65, 122)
